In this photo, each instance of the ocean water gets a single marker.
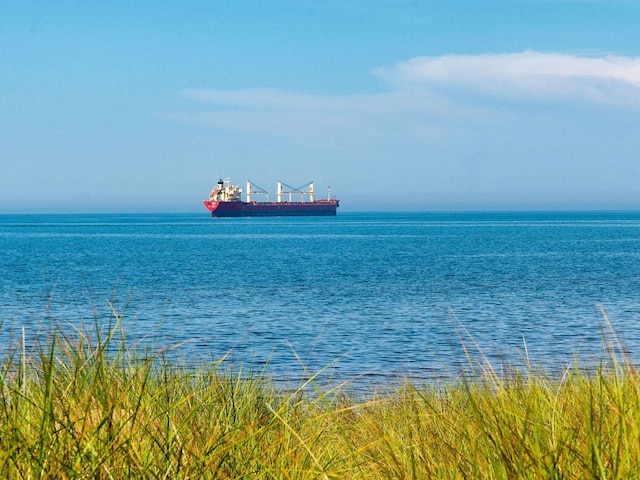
(370, 297)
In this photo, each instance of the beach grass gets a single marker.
(86, 406)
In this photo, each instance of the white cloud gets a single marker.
(445, 86)
(429, 99)
(527, 75)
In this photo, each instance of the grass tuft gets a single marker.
(86, 406)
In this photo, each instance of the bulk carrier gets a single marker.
(225, 200)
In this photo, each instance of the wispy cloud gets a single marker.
(426, 97)
(326, 121)
(257, 98)
(527, 75)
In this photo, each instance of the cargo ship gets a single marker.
(225, 200)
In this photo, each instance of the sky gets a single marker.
(410, 105)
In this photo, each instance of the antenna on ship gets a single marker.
(329, 193)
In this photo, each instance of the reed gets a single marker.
(86, 406)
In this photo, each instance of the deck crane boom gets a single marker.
(300, 190)
(253, 188)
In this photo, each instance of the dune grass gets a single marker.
(86, 406)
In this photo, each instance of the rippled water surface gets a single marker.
(380, 295)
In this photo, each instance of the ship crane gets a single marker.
(253, 188)
(298, 190)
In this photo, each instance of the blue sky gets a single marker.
(402, 105)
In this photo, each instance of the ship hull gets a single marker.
(272, 209)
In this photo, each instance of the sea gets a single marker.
(366, 298)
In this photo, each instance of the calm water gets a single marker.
(378, 294)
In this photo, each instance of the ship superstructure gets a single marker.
(225, 200)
